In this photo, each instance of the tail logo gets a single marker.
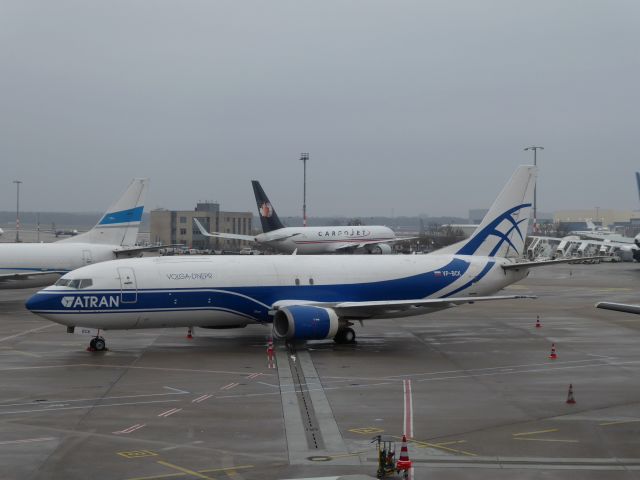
(266, 210)
(494, 229)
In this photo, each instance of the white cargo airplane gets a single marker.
(305, 297)
(310, 240)
(35, 264)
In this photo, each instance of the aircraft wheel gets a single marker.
(339, 338)
(349, 335)
(92, 344)
(99, 344)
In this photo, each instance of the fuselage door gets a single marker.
(128, 286)
(87, 257)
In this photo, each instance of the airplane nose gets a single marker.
(36, 302)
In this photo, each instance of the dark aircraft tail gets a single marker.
(267, 213)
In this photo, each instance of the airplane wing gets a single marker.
(543, 263)
(5, 277)
(279, 239)
(619, 307)
(376, 308)
(362, 244)
(234, 236)
(129, 251)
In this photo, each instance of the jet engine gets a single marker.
(301, 322)
(379, 248)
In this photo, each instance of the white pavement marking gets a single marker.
(169, 412)
(26, 332)
(254, 375)
(120, 397)
(201, 398)
(229, 386)
(86, 406)
(28, 440)
(131, 429)
(177, 390)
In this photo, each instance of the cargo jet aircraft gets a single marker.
(310, 240)
(304, 297)
(25, 265)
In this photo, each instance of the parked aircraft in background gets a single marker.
(594, 240)
(311, 240)
(305, 297)
(35, 264)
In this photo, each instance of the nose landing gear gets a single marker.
(97, 344)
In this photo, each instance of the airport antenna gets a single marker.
(535, 149)
(304, 157)
(17, 182)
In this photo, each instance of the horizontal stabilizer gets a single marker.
(544, 263)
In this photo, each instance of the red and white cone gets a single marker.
(553, 355)
(538, 324)
(403, 462)
(190, 333)
(570, 399)
(270, 354)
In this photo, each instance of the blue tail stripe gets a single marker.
(472, 246)
(123, 216)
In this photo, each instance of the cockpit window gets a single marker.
(77, 283)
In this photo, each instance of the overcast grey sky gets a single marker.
(416, 106)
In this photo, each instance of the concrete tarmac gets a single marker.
(472, 385)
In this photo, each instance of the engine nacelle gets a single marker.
(301, 322)
(379, 248)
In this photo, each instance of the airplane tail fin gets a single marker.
(503, 230)
(268, 216)
(119, 225)
(638, 182)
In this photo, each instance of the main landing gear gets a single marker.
(97, 344)
(345, 336)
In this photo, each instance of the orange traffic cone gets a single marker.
(553, 354)
(538, 324)
(190, 334)
(570, 399)
(403, 462)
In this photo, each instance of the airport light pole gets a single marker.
(535, 187)
(304, 157)
(17, 182)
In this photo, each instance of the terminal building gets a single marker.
(177, 227)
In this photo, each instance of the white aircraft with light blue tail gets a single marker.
(35, 264)
(304, 297)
